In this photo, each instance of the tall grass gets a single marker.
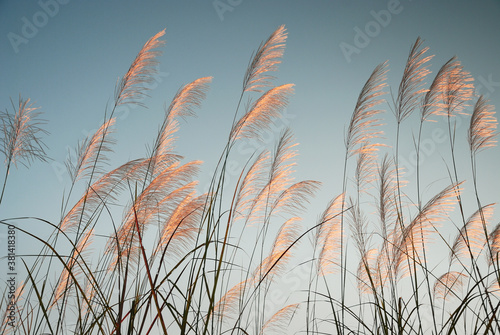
(180, 262)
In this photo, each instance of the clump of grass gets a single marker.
(178, 261)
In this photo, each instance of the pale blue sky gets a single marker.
(69, 67)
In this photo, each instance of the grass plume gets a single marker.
(227, 260)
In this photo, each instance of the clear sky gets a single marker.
(67, 55)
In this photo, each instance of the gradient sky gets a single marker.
(69, 67)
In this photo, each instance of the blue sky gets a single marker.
(69, 65)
